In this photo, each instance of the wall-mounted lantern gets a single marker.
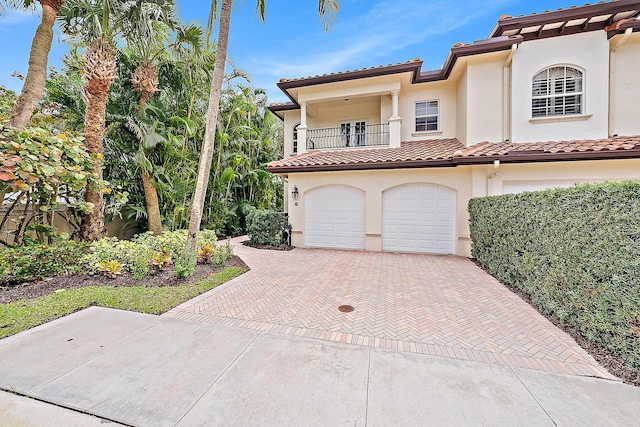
(295, 193)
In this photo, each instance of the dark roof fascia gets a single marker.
(489, 46)
(283, 107)
(570, 14)
(567, 31)
(275, 109)
(413, 67)
(405, 164)
(635, 24)
(550, 157)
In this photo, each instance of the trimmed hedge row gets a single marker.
(575, 251)
(265, 227)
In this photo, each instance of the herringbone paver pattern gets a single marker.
(439, 305)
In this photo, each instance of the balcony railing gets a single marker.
(348, 136)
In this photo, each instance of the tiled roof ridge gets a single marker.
(547, 12)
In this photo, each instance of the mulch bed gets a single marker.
(156, 279)
(611, 362)
(269, 247)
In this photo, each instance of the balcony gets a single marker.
(348, 135)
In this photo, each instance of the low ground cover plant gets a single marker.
(110, 256)
(575, 252)
(38, 261)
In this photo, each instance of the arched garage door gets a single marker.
(419, 218)
(335, 218)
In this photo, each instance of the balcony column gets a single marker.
(302, 129)
(395, 121)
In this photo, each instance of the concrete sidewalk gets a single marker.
(147, 370)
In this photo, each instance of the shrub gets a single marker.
(161, 260)
(143, 250)
(110, 268)
(185, 265)
(223, 253)
(40, 169)
(38, 261)
(575, 251)
(205, 254)
(174, 242)
(265, 227)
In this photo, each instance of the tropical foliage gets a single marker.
(154, 120)
(41, 181)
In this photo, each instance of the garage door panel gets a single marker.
(335, 218)
(419, 218)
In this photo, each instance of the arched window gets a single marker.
(557, 91)
(295, 138)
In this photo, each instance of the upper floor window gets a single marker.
(557, 91)
(295, 138)
(427, 113)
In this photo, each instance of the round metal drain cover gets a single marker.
(346, 308)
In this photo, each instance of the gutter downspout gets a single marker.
(506, 95)
(625, 36)
(494, 172)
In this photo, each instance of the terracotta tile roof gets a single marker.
(451, 152)
(412, 61)
(551, 147)
(426, 150)
(560, 9)
(562, 21)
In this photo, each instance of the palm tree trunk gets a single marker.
(208, 146)
(100, 72)
(154, 220)
(37, 74)
(145, 81)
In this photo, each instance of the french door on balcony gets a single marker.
(353, 133)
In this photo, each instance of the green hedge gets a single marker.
(265, 227)
(575, 251)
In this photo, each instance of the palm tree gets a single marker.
(145, 80)
(90, 20)
(38, 58)
(326, 10)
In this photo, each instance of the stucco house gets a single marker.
(386, 158)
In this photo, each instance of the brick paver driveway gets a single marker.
(438, 305)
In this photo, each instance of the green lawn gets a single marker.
(21, 315)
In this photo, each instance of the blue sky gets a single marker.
(292, 43)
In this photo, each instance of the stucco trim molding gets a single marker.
(428, 133)
(556, 119)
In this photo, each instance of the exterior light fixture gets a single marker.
(295, 193)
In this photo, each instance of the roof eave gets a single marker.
(405, 164)
(468, 50)
(550, 157)
(464, 161)
(412, 67)
(564, 15)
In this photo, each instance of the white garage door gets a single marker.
(335, 218)
(419, 218)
